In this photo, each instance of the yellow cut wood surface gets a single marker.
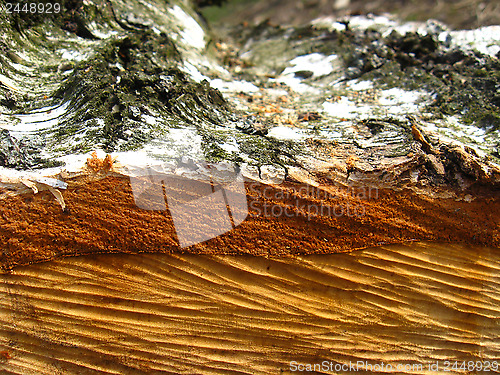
(218, 314)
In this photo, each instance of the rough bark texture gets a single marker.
(124, 77)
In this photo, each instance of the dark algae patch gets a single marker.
(464, 83)
(133, 76)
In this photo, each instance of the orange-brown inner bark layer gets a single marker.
(103, 217)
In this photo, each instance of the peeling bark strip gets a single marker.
(12, 186)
